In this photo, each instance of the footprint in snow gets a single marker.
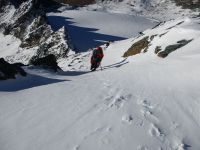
(174, 126)
(156, 132)
(117, 101)
(149, 115)
(147, 111)
(135, 120)
(147, 104)
(127, 119)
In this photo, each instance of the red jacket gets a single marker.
(100, 52)
(97, 55)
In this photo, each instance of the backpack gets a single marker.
(97, 55)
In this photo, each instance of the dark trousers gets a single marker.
(94, 65)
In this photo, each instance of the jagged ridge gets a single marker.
(28, 22)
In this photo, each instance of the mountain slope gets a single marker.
(141, 102)
(27, 21)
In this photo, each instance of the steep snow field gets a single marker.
(142, 102)
(90, 29)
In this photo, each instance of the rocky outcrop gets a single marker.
(138, 47)
(9, 71)
(171, 48)
(188, 4)
(157, 49)
(29, 23)
(48, 61)
(3, 3)
(55, 44)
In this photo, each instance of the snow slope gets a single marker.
(142, 102)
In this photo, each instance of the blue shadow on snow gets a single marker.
(73, 73)
(82, 38)
(28, 82)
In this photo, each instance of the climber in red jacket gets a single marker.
(96, 58)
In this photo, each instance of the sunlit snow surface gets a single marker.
(140, 103)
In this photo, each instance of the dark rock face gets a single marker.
(55, 44)
(48, 61)
(30, 24)
(8, 71)
(26, 20)
(38, 32)
(188, 4)
(3, 3)
(17, 3)
(172, 48)
(157, 49)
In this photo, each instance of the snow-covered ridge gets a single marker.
(158, 9)
(167, 38)
(29, 24)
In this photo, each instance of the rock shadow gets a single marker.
(83, 38)
(23, 83)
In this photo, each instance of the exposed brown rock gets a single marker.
(158, 49)
(137, 47)
(162, 54)
(172, 48)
